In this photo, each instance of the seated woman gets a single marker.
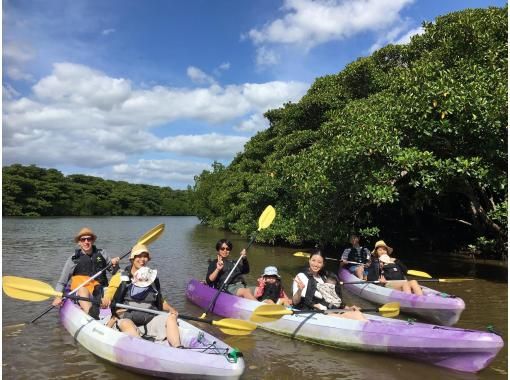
(220, 268)
(305, 295)
(270, 288)
(390, 271)
(140, 287)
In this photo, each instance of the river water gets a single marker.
(37, 248)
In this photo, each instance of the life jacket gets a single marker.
(393, 271)
(357, 256)
(89, 265)
(310, 298)
(129, 294)
(271, 292)
(237, 275)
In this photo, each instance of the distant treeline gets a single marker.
(34, 191)
(408, 144)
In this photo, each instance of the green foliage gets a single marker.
(33, 191)
(411, 140)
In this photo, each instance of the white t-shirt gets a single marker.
(303, 278)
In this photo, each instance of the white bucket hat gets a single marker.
(271, 271)
(144, 276)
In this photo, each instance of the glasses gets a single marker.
(86, 238)
(224, 249)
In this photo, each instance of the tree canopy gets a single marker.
(409, 142)
(34, 191)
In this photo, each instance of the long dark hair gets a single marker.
(317, 252)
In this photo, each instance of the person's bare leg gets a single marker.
(85, 305)
(359, 271)
(245, 293)
(415, 287)
(127, 326)
(172, 331)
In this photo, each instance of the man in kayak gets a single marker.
(86, 261)
(356, 259)
(220, 268)
(139, 286)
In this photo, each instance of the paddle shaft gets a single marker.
(329, 311)
(218, 292)
(81, 286)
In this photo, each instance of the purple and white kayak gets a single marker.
(432, 306)
(203, 355)
(454, 348)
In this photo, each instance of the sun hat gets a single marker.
(381, 243)
(271, 271)
(84, 232)
(144, 276)
(139, 249)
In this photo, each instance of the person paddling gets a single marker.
(220, 268)
(86, 261)
(140, 287)
(358, 254)
(390, 271)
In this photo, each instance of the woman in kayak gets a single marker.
(86, 261)
(270, 288)
(390, 271)
(140, 287)
(305, 295)
(220, 268)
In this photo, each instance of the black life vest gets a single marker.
(271, 292)
(237, 274)
(89, 265)
(309, 298)
(358, 256)
(151, 299)
(392, 271)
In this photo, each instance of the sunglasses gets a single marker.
(88, 238)
(224, 249)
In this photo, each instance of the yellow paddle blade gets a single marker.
(27, 289)
(267, 217)
(390, 310)
(151, 235)
(454, 279)
(418, 273)
(233, 326)
(269, 313)
(302, 254)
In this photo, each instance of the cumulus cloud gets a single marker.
(159, 172)
(198, 76)
(16, 55)
(398, 36)
(83, 117)
(255, 123)
(406, 38)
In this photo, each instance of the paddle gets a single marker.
(428, 277)
(271, 313)
(146, 239)
(33, 290)
(419, 280)
(265, 220)
(307, 255)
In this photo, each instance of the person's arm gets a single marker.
(169, 308)
(109, 260)
(298, 286)
(244, 265)
(65, 275)
(111, 290)
(213, 272)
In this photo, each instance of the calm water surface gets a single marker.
(37, 248)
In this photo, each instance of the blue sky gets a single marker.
(155, 91)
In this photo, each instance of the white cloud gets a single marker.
(16, 56)
(9, 92)
(159, 172)
(406, 38)
(255, 123)
(307, 23)
(80, 116)
(212, 145)
(398, 36)
(106, 32)
(266, 57)
(198, 76)
(224, 66)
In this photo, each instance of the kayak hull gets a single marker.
(154, 359)
(433, 306)
(453, 348)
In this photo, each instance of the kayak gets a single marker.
(449, 347)
(433, 306)
(203, 355)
